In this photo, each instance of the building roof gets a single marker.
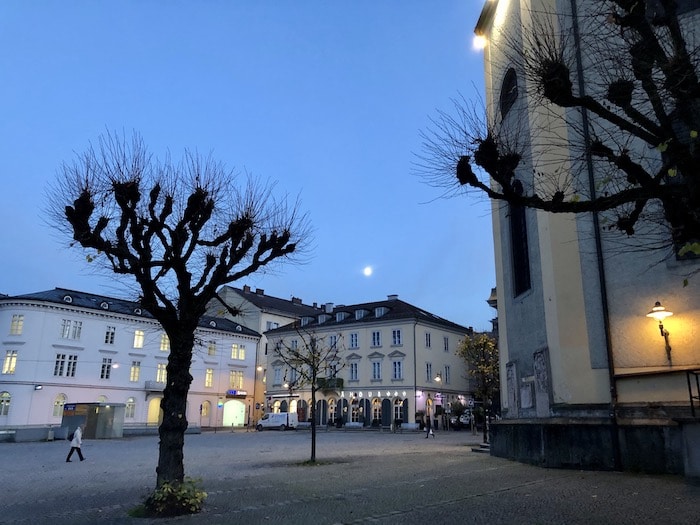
(391, 309)
(267, 303)
(119, 306)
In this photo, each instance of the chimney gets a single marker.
(246, 288)
(296, 300)
(329, 308)
(392, 297)
(260, 291)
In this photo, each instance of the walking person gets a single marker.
(76, 442)
(428, 429)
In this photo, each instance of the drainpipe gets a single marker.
(599, 251)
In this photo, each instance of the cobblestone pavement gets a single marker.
(362, 477)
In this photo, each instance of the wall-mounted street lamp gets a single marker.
(438, 377)
(660, 313)
(38, 387)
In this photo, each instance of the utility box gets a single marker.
(102, 420)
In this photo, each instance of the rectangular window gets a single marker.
(397, 370)
(71, 329)
(353, 372)
(106, 370)
(238, 352)
(333, 340)
(427, 339)
(270, 325)
(428, 372)
(295, 344)
(71, 365)
(236, 379)
(109, 335)
(211, 348)
(446, 377)
(135, 371)
(161, 373)
(376, 338)
(8, 366)
(519, 250)
(277, 380)
(164, 343)
(209, 377)
(17, 324)
(138, 339)
(446, 343)
(396, 337)
(354, 341)
(59, 365)
(241, 352)
(376, 370)
(130, 408)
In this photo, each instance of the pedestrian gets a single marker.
(76, 442)
(429, 431)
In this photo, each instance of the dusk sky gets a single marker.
(327, 98)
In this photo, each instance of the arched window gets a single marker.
(509, 92)
(58, 405)
(102, 399)
(5, 398)
(398, 405)
(376, 409)
(130, 409)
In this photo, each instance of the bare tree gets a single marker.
(480, 355)
(180, 231)
(312, 361)
(621, 77)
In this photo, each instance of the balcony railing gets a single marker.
(155, 386)
(329, 383)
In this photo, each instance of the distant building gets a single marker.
(396, 360)
(63, 346)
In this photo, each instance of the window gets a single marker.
(237, 351)
(17, 324)
(429, 372)
(164, 343)
(354, 340)
(236, 379)
(58, 405)
(396, 337)
(333, 341)
(130, 408)
(376, 370)
(71, 329)
(446, 375)
(209, 377)
(270, 325)
(446, 343)
(509, 92)
(353, 372)
(376, 409)
(5, 399)
(295, 344)
(398, 409)
(8, 366)
(427, 339)
(519, 250)
(376, 338)
(277, 380)
(397, 367)
(65, 365)
(161, 373)
(106, 370)
(211, 348)
(135, 371)
(109, 335)
(138, 339)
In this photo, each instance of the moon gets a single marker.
(367, 271)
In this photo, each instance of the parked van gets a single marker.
(281, 421)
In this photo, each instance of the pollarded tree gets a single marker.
(622, 78)
(181, 231)
(312, 361)
(480, 355)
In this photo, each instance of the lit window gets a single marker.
(8, 366)
(236, 379)
(138, 339)
(109, 335)
(164, 343)
(17, 324)
(209, 377)
(135, 371)
(5, 399)
(130, 408)
(211, 348)
(106, 369)
(58, 405)
(161, 373)
(396, 337)
(234, 351)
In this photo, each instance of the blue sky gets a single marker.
(327, 98)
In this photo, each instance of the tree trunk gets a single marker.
(171, 466)
(313, 419)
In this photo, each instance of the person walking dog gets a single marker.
(76, 442)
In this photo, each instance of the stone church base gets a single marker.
(588, 444)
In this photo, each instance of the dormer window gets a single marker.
(212, 324)
(306, 320)
(67, 299)
(359, 314)
(323, 318)
(340, 316)
(104, 305)
(380, 311)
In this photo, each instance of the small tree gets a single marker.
(480, 354)
(311, 361)
(180, 231)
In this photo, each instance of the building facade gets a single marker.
(393, 361)
(587, 380)
(63, 346)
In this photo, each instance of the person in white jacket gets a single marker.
(76, 442)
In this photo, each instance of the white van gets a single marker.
(281, 421)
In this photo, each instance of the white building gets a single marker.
(396, 361)
(63, 346)
(587, 379)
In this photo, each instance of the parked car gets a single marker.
(281, 421)
(461, 421)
